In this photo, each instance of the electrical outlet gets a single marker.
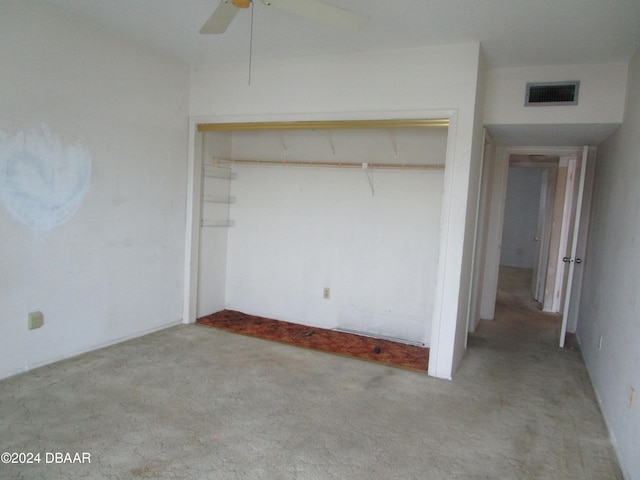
(36, 320)
(632, 397)
(326, 293)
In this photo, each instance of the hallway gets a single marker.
(549, 388)
(517, 313)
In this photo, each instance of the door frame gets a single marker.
(548, 190)
(496, 207)
(446, 332)
(482, 231)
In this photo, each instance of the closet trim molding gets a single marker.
(325, 125)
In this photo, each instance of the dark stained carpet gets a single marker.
(347, 344)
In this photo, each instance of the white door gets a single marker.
(543, 234)
(572, 189)
(537, 267)
(578, 239)
(581, 247)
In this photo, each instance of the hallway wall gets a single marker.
(609, 301)
(601, 95)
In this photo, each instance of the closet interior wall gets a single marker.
(369, 235)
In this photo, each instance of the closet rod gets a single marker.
(362, 165)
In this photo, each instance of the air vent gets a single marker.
(552, 93)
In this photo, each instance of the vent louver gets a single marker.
(552, 93)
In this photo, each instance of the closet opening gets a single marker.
(330, 225)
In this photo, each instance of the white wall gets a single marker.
(412, 83)
(609, 305)
(601, 95)
(301, 229)
(432, 79)
(483, 233)
(521, 217)
(213, 241)
(473, 183)
(114, 269)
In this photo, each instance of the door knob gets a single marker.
(571, 260)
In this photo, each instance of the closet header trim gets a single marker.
(325, 125)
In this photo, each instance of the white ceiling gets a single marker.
(512, 32)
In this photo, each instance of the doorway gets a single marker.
(531, 212)
(538, 227)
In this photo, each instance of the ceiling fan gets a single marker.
(223, 15)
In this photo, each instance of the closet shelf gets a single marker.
(218, 199)
(213, 171)
(357, 165)
(217, 223)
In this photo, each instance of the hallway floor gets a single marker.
(200, 403)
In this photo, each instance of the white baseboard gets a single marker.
(91, 348)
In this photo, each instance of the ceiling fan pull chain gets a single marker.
(330, 137)
(251, 44)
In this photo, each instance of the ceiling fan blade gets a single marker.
(320, 12)
(221, 18)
